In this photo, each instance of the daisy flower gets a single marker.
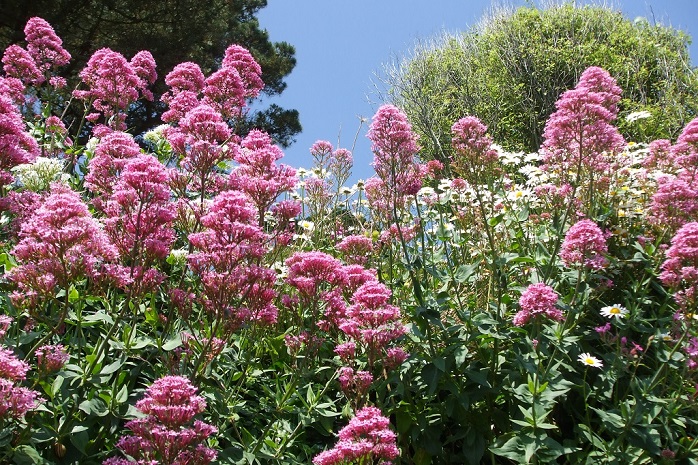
(589, 360)
(616, 310)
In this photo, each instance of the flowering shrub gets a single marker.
(184, 297)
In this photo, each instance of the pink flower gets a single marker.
(394, 146)
(474, 152)
(4, 325)
(169, 433)
(258, 174)
(16, 145)
(355, 385)
(60, 244)
(199, 140)
(366, 439)
(371, 321)
(111, 155)
(19, 64)
(240, 59)
(143, 65)
(680, 269)
(356, 249)
(538, 300)
(139, 221)
(225, 92)
(112, 86)
(227, 259)
(584, 246)
(51, 358)
(45, 47)
(579, 135)
(310, 272)
(15, 401)
(674, 204)
(11, 367)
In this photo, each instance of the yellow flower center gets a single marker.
(589, 361)
(614, 310)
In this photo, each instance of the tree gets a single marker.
(511, 68)
(173, 31)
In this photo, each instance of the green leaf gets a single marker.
(27, 455)
(172, 344)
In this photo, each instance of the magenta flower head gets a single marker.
(679, 271)
(59, 244)
(258, 174)
(394, 145)
(51, 358)
(112, 85)
(227, 260)
(45, 47)
(111, 155)
(538, 300)
(579, 134)
(169, 433)
(19, 64)
(312, 272)
(366, 439)
(139, 218)
(474, 153)
(584, 246)
(356, 249)
(186, 81)
(674, 204)
(240, 59)
(143, 65)
(16, 145)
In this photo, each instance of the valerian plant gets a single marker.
(183, 297)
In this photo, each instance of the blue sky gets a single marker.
(341, 45)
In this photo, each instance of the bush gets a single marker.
(510, 69)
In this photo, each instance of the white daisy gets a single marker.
(616, 310)
(590, 360)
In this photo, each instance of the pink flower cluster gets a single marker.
(474, 153)
(356, 249)
(51, 358)
(579, 135)
(258, 174)
(15, 400)
(200, 140)
(675, 202)
(680, 269)
(236, 288)
(43, 54)
(366, 439)
(112, 153)
(138, 221)
(394, 145)
(16, 145)
(371, 322)
(691, 351)
(319, 278)
(113, 83)
(59, 244)
(584, 246)
(538, 300)
(226, 90)
(169, 433)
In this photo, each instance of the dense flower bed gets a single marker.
(181, 296)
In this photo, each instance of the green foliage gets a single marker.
(510, 69)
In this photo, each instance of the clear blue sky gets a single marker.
(341, 44)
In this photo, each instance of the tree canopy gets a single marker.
(173, 31)
(510, 69)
